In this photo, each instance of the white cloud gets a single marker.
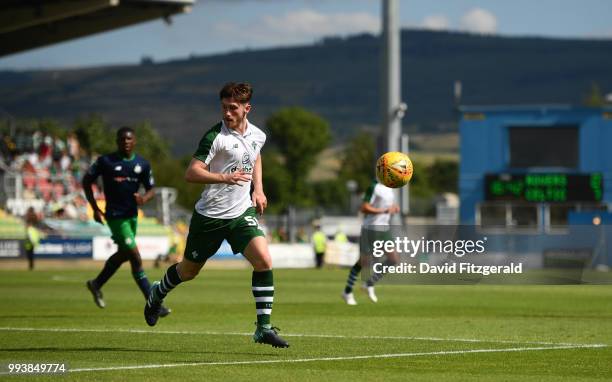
(309, 22)
(304, 25)
(436, 22)
(479, 20)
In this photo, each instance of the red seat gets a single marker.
(29, 181)
(58, 190)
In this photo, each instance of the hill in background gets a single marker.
(337, 78)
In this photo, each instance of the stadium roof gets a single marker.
(28, 24)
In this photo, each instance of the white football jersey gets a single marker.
(379, 196)
(225, 151)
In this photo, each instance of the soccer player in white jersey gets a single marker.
(227, 163)
(378, 205)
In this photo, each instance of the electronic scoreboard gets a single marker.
(544, 187)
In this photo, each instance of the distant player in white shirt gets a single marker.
(228, 164)
(378, 206)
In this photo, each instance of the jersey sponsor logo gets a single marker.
(247, 168)
(235, 145)
(195, 254)
(137, 169)
(120, 179)
(246, 159)
(117, 168)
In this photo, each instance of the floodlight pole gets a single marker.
(392, 107)
(391, 83)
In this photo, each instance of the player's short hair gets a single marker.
(124, 129)
(240, 92)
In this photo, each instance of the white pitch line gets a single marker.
(346, 358)
(143, 331)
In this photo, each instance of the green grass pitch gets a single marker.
(510, 333)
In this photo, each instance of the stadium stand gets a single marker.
(44, 172)
(42, 167)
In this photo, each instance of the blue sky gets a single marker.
(215, 26)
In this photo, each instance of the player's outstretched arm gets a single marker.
(367, 208)
(259, 198)
(197, 172)
(87, 188)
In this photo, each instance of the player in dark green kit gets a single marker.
(122, 174)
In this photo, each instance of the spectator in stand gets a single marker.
(80, 205)
(55, 169)
(70, 211)
(45, 151)
(23, 143)
(11, 147)
(32, 159)
(36, 140)
(60, 213)
(59, 146)
(65, 161)
(74, 148)
(76, 169)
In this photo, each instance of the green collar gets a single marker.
(127, 159)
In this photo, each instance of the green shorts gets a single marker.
(124, 231)
(207, 234)
(368, 237)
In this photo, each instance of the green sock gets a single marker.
(263, 291)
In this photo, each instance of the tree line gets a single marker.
(296, 138)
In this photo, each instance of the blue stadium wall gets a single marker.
(485, 149)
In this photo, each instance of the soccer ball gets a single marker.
(394, 169)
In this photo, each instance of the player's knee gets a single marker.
(136, 265)
(186, 275)
(117, 259)
(257, 254)
(262, 264)
(133, 256)
(363, 262)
